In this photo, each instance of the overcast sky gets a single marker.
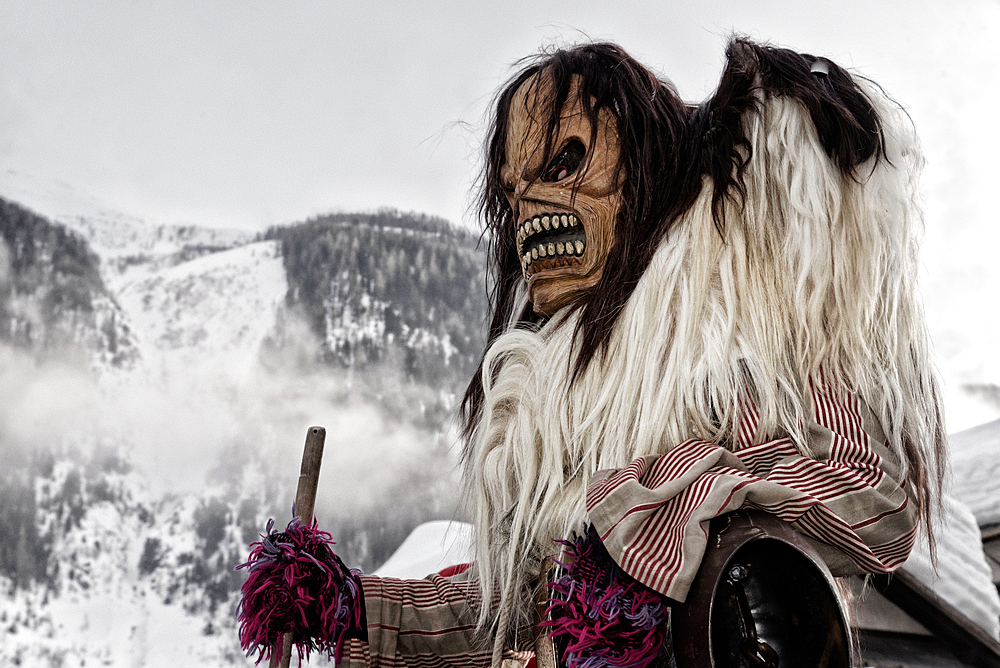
(248, 113)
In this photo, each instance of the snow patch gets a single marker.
(429, 548)
(962, 578)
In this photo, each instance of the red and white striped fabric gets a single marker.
(653, 515)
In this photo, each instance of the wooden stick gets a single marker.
(305, 504)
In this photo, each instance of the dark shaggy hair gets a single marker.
(652, 124)
(666, 148)
(848, 126)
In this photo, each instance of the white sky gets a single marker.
(250, 113)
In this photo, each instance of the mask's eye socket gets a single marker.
(566, 163)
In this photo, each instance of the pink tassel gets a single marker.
(297, 585)
(603, 617)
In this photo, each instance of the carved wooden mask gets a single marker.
(565, 210)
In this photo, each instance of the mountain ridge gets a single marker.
(134, 484)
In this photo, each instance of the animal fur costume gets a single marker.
(694, 309)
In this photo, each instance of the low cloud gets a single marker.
(191, 424)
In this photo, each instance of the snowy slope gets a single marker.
(125, 242)
(110, 232)
(218, 307)
(975, 461)
(136, 575)
(133, 566)
(961, 577)
(431, 547)
(111, 599)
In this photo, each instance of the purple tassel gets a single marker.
(604, 617)
(297, 585)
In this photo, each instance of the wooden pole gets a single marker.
(305, 504)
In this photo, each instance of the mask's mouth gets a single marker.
(550, 240)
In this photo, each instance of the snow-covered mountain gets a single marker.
(156, 384)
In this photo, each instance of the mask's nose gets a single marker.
(515, 188)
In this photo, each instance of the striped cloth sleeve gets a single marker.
(428, 623)
(653, 515)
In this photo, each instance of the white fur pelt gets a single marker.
(816, 272)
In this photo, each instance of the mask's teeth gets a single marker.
(547, 222)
